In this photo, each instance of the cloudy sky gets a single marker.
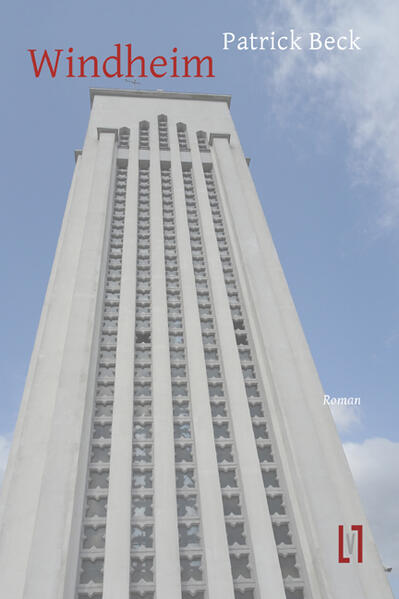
(322, 129)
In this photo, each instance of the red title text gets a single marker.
(122, 63)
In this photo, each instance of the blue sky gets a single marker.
(322, 132)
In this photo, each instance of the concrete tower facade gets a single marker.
(172, 441)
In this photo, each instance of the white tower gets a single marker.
(172, 441)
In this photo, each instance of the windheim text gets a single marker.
(122, 63)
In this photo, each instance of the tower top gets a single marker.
(157, 94)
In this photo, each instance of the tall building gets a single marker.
(172, 441)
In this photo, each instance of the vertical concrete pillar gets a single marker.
(118, 529)
(259, 523)
(50, 541)
(218, 570)
(167, 563)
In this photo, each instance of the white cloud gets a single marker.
(4, 449)
(346, 417)
(375, 467)
(358, 88)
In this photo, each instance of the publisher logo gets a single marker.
(348, 549)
